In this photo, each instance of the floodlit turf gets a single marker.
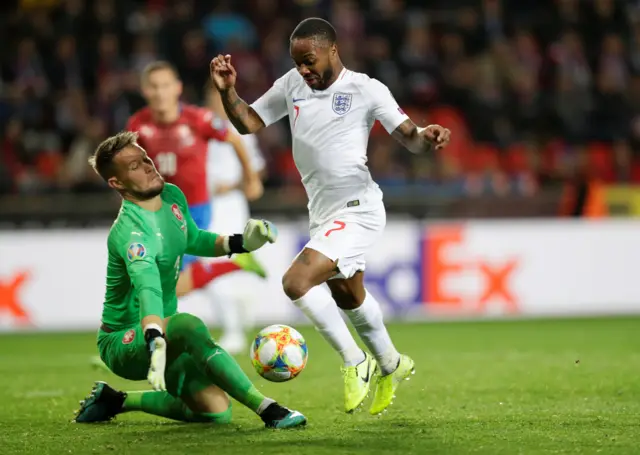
(567, 386)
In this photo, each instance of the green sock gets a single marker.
(157, 403)
(164, 405)
(225, 372)
(219, 366)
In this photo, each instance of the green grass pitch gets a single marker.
(537, 386)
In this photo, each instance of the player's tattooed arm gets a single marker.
(240, 114)
(421, 140)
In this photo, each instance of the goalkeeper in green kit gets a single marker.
(142, 335)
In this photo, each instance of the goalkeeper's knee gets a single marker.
(183, 328)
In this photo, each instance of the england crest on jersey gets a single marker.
(341, 103)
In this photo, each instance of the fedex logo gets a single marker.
(444, 275)
(481, 281)
(10, 303)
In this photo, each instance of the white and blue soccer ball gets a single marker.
(279, 353)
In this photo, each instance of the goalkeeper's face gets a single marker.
(136, 175)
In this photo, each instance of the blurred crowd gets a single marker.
(534, 91)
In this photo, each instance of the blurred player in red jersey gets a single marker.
(234, 295)
(175, 135)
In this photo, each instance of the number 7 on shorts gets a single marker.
(340, 226)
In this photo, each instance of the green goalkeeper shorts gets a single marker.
(125, 353)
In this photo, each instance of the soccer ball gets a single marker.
(279, 353)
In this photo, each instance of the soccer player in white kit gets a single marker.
(230, 212)
(331, 112)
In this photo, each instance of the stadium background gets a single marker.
(530, 214)
(543, 99)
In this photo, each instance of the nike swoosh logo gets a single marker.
(295, 100)
(366, 378)
(213, 355)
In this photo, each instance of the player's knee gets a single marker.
(181, 326)
(295, 286)
(346, 295)
(345, 299)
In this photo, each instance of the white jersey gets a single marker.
(231, 209)
(330, 130)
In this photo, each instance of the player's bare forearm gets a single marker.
(240, 114)
(408, 134)
(243, 156)
(224, 189)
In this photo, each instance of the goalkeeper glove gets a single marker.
(256, 234)
(158, 350)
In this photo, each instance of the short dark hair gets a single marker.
(157, 66)
(315, 27)
(102, 159)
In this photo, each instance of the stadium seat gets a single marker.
(600, 161)
(515, 160)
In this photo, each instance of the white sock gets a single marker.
(367, 320)
(320, 308)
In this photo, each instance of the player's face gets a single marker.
(136, 174)
(162, 90)
(315, 59)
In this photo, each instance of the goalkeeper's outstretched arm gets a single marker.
(208, 244)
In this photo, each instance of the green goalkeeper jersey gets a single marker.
(145, 258)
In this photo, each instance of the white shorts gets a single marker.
(347, 237)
